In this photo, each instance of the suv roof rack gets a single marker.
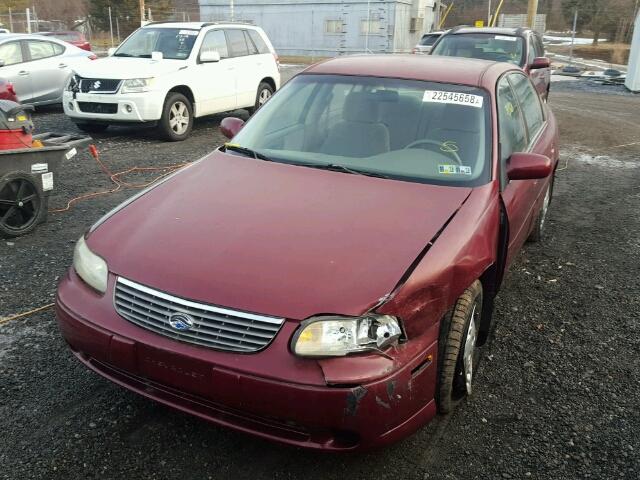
(458, 27)
(208, 24)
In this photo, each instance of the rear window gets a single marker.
(237, 43)
(485, 46)
(429, 40)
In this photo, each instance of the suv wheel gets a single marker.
(177, 118)
(264, 93)
(92, 127)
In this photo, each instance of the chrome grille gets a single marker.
(99, 85)
(214, 327)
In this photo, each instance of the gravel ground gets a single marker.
(557, 396)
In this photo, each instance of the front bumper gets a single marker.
(271, 394)
(128, 108)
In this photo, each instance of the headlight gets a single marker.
(335, 336)
(74, 83)
(90, 267)
(137, 85)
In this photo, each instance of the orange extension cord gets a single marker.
(116, 179)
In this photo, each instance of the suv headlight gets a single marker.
(137, 85)
(74, 83)
(90, 267)
(336, 336)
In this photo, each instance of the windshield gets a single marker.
(174, 43)
(410, 130)
(485, 46)
(428, 40)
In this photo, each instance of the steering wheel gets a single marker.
(426, 141)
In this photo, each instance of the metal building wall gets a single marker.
(300, 27)
(633, 74)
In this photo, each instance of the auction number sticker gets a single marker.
(455, 98)
(507, 38)
(454, 170)
(47, 181)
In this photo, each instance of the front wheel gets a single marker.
(265, 91)
(458, 351)
(538, 229)
(177, 118)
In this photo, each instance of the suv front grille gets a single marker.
(99, 85)
(214, 327)
(96, 107)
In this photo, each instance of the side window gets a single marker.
(39, 49)
(539, 46)
(529, 101)
(11, 53)
(258, 41)
(58, 49)
(215, 41)
(512, 131)
(237, 43)
(531, 54)
(253, 50)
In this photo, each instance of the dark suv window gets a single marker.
(215, 41)
(237, 43)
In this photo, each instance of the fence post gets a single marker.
(10, 21)
(28, 21)
(110, 26)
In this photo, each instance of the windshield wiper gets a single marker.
(122, 55)
(246, 151)
(334, 167)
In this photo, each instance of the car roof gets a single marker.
(462, 71)
(196, 25)
(516, 32)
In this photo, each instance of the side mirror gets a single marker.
(157, 56)
(528, 166)
(540, 62)
(210, 56)
(230, 126)
(111, 51)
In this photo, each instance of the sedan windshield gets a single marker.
(173, 43)
(485, 46)
(409, 130)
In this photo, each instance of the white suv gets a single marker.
(168, 73)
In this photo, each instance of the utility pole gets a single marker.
(141, 12)
(10, 21)
(111, 26)
(28, 20)
(573, 36)
(531, 13)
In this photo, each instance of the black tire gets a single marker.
(454, 330)
(262, 95)
(22, 204)
(176, 111)
(92, 127)
(538, 228)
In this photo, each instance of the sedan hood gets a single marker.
(124, 67)
(275, 239)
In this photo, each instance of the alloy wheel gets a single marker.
(469, 357)
(179, 118)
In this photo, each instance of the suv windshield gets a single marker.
(486, 46)
(173, 43)
(405, 129)
(428, 40)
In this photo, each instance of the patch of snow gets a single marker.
(567, 40)
(606, 161)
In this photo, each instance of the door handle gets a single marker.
(62, 65)
(23, 73)
(230, 68)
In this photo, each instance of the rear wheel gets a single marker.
(459, 352)
(92, 127)
(265, 91)
(22, 204)
(177, 118)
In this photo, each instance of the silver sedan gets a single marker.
(39, 67)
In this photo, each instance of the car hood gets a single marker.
(275, 239)
(124, 67)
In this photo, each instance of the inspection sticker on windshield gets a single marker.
(455, 98)
(454, 170)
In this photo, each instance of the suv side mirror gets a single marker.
(210, 56)
(230, 126)
(528, 166)
(540, 62)
(111, 51)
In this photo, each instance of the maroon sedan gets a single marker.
(327, 279)
(73, 37)
(7, 92)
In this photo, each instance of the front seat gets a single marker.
(360, 133)
(460, 129)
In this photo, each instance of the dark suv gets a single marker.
(520, 46)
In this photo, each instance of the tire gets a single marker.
(92, 127)
(459, 355)
(538, 229)
(22, 204)
(262, 95)
(177, 118)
